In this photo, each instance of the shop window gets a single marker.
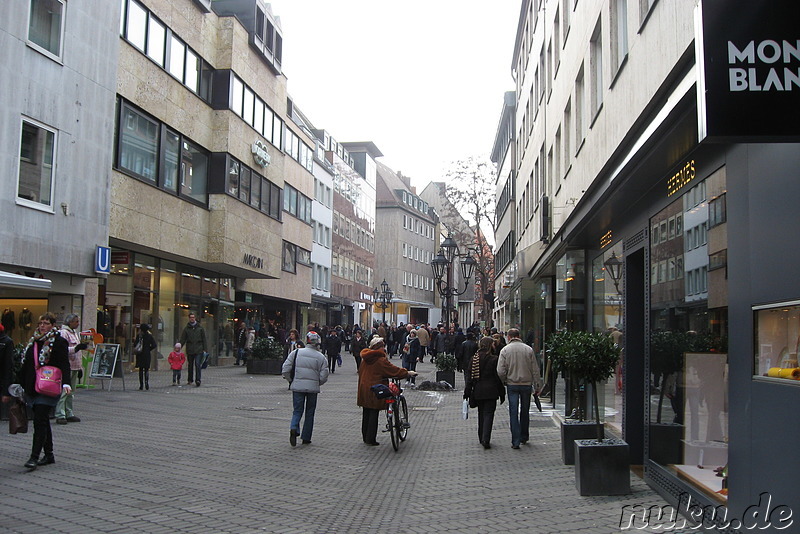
(36, 164)
(776, 342)
(688, 385)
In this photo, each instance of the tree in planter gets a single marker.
(588, 356)
(266, 348)
(445, 362)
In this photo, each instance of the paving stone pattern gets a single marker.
(217, 459)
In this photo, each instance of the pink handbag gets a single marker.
(48, 378)
(48, 381)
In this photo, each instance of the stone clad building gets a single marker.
(212, 183)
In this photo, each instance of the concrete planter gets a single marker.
(446, 376)
(264, 367)
(572, 430)
(602, 467)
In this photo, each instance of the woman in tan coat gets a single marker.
(375, 369)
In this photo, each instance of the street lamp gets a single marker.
(385, 296)
(613, 267)
(442, 266)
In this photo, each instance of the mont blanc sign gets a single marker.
(748, 55)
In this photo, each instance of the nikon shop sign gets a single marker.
(748, 55)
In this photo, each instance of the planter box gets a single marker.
(666, 443)
(446, 376)
(602, 468)
(572, 430)
(264, 367)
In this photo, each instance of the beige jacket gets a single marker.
(517, 366)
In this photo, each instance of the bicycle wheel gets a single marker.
(391, 416)
(402, 410)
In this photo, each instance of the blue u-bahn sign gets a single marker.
(102, 260)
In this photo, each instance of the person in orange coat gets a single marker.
(375, 369)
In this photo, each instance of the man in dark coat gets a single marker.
(193, 340)
(333, 349)
(465, 352)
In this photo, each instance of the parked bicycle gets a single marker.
(396, 414)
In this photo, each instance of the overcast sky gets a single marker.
(423, 80)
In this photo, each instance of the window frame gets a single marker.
(41, 49)
(162, 130)
(53, 166)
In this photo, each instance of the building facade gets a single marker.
(404, 246)
(212, 183)
(643, 208)
(59, 62)
(507, 282)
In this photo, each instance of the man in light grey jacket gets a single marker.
(306, 370)
(519, 371)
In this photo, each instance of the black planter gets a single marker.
(602, 468)
(264, 367)
(572, 430)
(666, 443)
(446, 376)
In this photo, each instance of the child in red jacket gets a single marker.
(176, 360)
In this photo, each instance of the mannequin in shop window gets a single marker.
(25, 322)
(9, 322)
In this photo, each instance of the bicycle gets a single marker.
(397, 414)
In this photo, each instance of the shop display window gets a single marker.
(688, 360)
(777, 342)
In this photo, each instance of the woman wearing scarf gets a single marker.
(45, 347)
(484, 388)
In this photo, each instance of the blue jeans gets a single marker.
(519, 407)
(301, 400)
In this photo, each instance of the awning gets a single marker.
(26, 282)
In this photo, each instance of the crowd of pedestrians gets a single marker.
(493, 370)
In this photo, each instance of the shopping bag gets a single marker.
(465, 409)
(17, 417)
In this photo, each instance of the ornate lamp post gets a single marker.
(384, 296)
(442, 266)
(613, 267)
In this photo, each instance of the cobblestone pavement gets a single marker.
(217, 459)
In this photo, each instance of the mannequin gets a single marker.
(25, 323)
(9, 322)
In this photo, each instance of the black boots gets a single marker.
(47, 459)
(32, 463)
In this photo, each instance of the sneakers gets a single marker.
(293, 437)
(47, 459)
(306, 442)
(73, 419)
